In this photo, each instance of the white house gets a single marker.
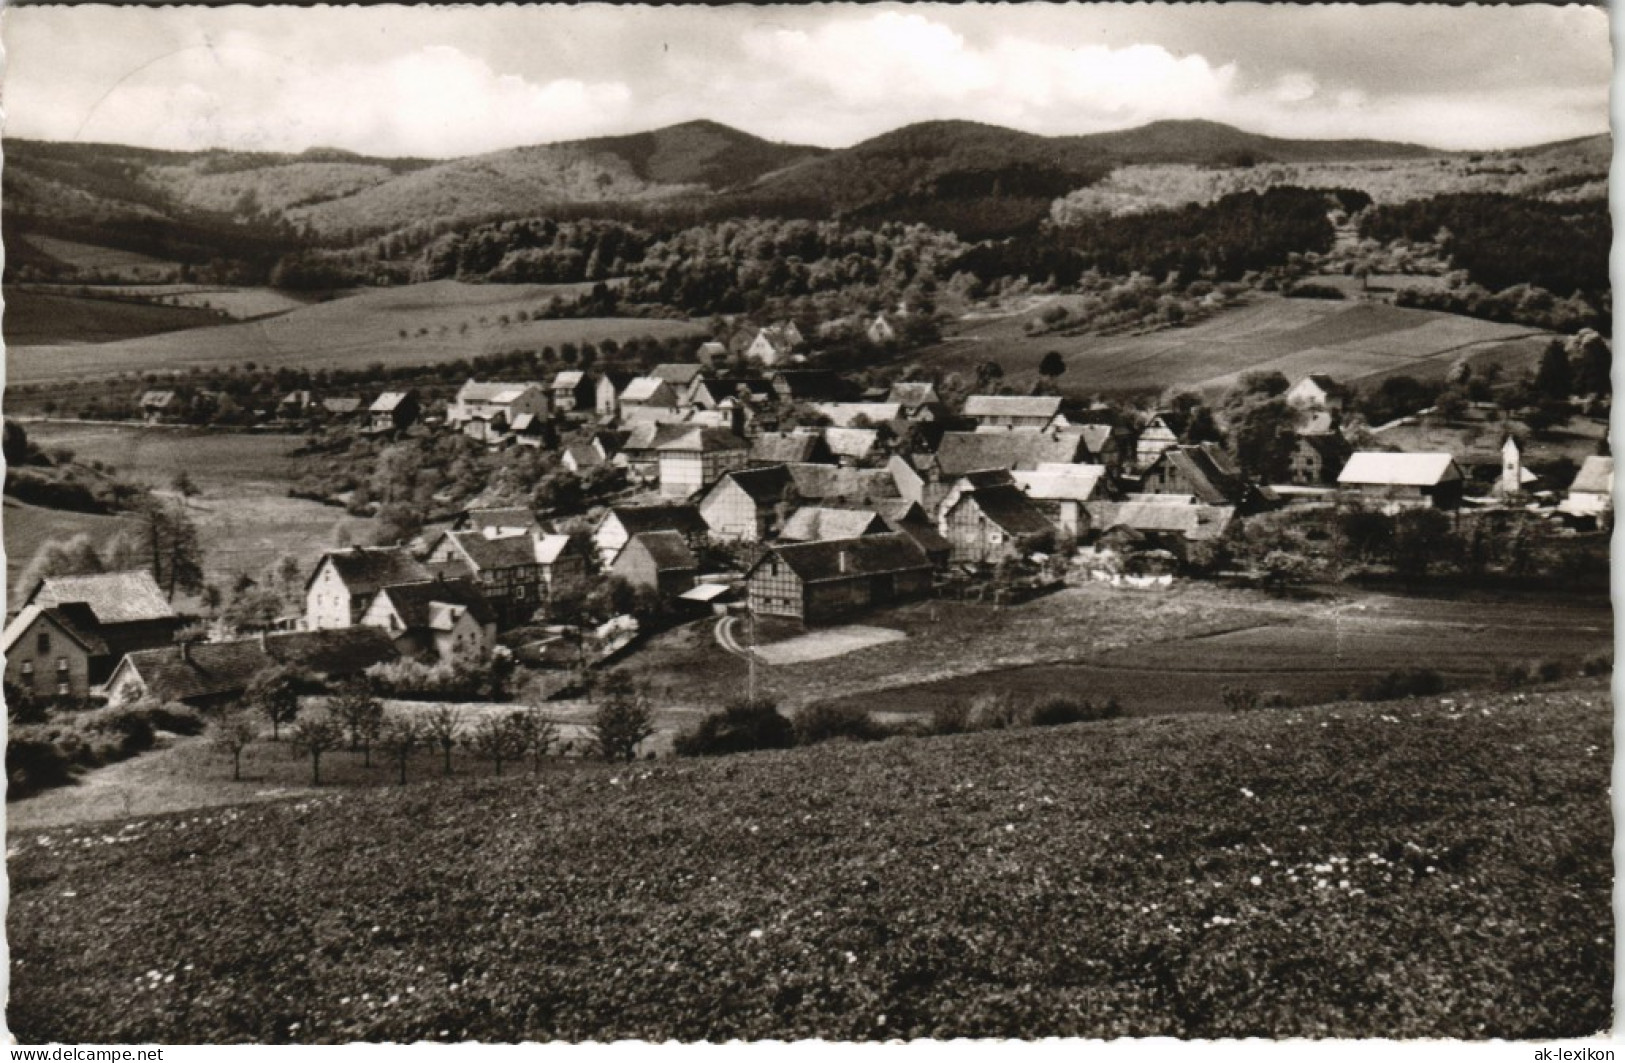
(487, 411)
(1592, 493)
(344, 582)
(449, 618)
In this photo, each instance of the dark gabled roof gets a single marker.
(508, 551)
(1006, 506)
(651, 435)
(962, 452)
(668, 549)
(333, 651)
(723, 387)
(112, 597)
(1212, 479)
(765, 485)
(787, 446)
(827, 483)
(679, 518)
(585, 456)
(924, 534)
(869, 555)
(414, 602)
(366, 568)
(704, 440)
(74, 619)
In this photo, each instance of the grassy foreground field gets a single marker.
(1426, 868)
(350, 333)
(1354, 342)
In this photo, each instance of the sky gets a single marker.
(441, 81)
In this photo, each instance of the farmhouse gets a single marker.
(342, 585)
(1592, 493)
(649, 391)
(210, 674)
(620, 523)
(448, 619)
(745, 505)
(918, 399)
(1061, 492)
(1154, 438)
(821, 581)
(774, 344)
(880, 331)
(986, 525)
(73, 629)
(1013, 411)
(698, 457)
(640, 455)
(1200, 469)
(1161, 522)
(1317, 459)
(583, 457)
(1317, 391)
(712, 353)
(487, 411)
(393, 411)
(517, 574)
(963, 452)
(572, 391)
(907, 518)
(1397, 481)
(157, 405)
(658, 560)
(607, 396)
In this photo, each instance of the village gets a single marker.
(749, 483)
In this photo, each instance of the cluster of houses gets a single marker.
(888, 496)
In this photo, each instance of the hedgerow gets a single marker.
(1434, 867)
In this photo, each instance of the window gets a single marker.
(61, 664)
(28, 668)
(62, 689)
(42, 642)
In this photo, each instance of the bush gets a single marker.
(1401, 683)
(35, 760)
(825, 722)
(130, 726)
(1597, 664)
(1061, 709)
(739, 728)
(176, 718)
(1510, 676)
(993, 712)
(1313, 291)
(1239, 699)
(1548, 671)
(950, 718)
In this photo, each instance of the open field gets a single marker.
(1315, 656)
(28, 527)
(244, 515)
(1480, 442)
(1422, 868)
(350, 333)
(235, 302)
(1354, 342)
(93, 258)
(33, 317)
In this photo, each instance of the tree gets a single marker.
(399, 737)
(165, 542)
(541, 735)
(74, 557)
(1052, 366)
(184, 486)
(442, 729)
(274, 693)
(361, 715)
(622, 719)
(986, 374)
(1421, 537)
(1591, 360)
(502, 738)
(231, 734)
(742, 726)
(315, 735)
(1553, 377)
(1264, 439)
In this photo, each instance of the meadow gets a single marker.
(245, 518)
(1353, 342)
(28, 527)
(35, 317)
(422, 324)
(1422, 868)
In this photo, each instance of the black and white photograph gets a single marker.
(857, 522)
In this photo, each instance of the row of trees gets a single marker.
(354, 718)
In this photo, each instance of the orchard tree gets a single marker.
(231, 734)
(313, 736)
(274, 693)
(362, 716)
(443, 729)
(501, 738)
(541, 735)
(399, 737)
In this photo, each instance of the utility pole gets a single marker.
(750, 653)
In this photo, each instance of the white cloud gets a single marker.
(435, 100)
